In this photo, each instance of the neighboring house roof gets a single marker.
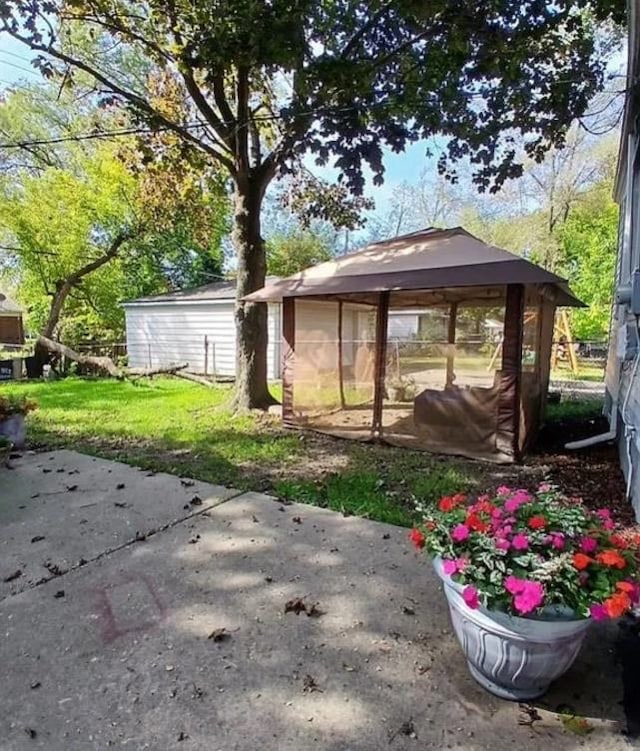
(8, 307)
(216, 291)
(425, 260)
(632, 101)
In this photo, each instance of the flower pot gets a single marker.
(513, 658)
(12, 427)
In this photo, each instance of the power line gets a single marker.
(237, 126)
(19, 67)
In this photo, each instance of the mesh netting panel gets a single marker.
(333, 368)
(530, 382)
(443, 378)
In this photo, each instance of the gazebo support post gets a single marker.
(508, 427)
(340, 363)
(288, 356)
(451, 342)
(382, 317)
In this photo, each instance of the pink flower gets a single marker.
(503, 490)
(520, 542)
(544, 487)
(528, 595)
(608, 524)
(449, 567)
(557, 540)
(460, 533)
(513, 585)
(598, 612)
(588, 544)
(452, 566)
(519, 498)
(503, 544)
(496, 513)
(603, 513)
(470, 596)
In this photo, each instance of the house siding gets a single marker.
(164, 333)
(622, 403)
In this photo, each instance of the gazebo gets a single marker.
(471, 380)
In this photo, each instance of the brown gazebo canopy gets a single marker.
(433, 340)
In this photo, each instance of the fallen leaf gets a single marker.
(194, 540)
(219, 634)
(577, 725)
(37, 538)
(71, 488)
(297, 605)
(182, 736)
(59, 594)
(309, 685)
(12, 576)
(120, 486)
(297, 520)
(196, 501)
(35, 684)
(408, 611)
(30, 732)
(186, 482)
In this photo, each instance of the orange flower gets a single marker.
(537, 522)
(611, 558)
(617, 604)
(619, 542)
(627, 587)
(581, 561)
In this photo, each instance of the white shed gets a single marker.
(194, 326)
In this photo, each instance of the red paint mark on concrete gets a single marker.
(129, 605)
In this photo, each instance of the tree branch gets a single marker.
(130, 96)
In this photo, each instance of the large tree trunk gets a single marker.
(252, 391)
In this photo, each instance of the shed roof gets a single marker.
(428, 259)
(224, 290)
(8, 306)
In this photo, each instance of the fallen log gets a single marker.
(196, 379)
(106, 364)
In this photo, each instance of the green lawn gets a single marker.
(175, 426)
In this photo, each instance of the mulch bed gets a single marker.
(592, 474)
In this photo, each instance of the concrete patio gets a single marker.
(149, 613)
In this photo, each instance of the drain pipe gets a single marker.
(629, 430)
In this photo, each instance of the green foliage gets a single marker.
(287, 254)
(589, 242)
(62, 208)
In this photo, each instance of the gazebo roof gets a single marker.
(428, 259)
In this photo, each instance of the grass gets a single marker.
(179, 427)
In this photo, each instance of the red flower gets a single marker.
(581, 561)
(537, 522)
(448, 503)
(475, 523)
(627, 587)
(417, 538)
(619, 542)
(611, 558)
(617, 604)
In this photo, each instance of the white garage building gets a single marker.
(194, 326)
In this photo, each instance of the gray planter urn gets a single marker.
(513, 658)
(13, 428)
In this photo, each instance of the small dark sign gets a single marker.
(6, 370)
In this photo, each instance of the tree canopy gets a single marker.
(265, 82)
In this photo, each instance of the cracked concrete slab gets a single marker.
(133, 656)
(62, 508)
